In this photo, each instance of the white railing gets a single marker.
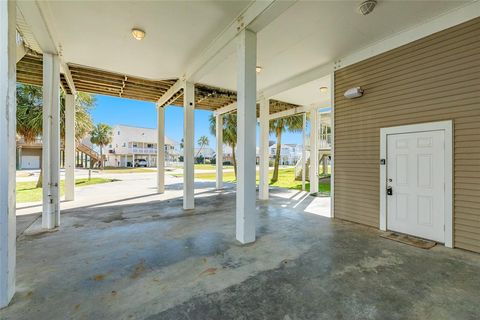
(325, 141)
(143, 150)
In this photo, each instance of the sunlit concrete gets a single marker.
(146, 258)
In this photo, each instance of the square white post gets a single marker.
(160, 149)
(263, 149)
(314, 150)
(69, 147)
(188, 146)
(304, 149)
(332, 148)
(7, 150)
(219, 161)
(51, 141)
(246, 135)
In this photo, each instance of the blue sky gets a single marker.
(113, 111)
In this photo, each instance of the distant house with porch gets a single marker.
(131, 143)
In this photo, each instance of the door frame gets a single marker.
(447, 127)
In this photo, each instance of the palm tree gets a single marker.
(278, 126)
(229, 133)
(202, 141)
(101, 135)
(30, 115)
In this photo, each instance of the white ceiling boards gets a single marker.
(294, 39)
(98, 33)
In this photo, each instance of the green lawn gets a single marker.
(28, 192)
(286, 179)
(207, 166)
(126, 170)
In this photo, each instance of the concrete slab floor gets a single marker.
(151, 260)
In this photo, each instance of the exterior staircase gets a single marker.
(94, 156)
(323, 160)
(298, 168)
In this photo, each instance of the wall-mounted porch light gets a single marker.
(353, 93)
(323, 89)
(258, 69)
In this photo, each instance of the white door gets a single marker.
(30, 162)
(416, 176)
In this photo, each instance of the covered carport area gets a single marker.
(171, 267)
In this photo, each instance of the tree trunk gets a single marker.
(277, 155)
(234, 161)
(199, 150)
(101, 158)
(40, 179)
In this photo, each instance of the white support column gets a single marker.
(246, 135)
(7, 150)
(51, 141)
(160, 149)
(69, 147)
(304, 149)
(332, 148)
(263, 149)
(314, 150)
(188, 146)
(219, 161)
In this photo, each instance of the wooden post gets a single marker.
(69, 151)
(219, 162)
(51, 141)
(188, 146)
(7, 150)
(263, 149)
(246, 135)
(160, 149)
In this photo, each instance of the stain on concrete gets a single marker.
(372, 264)
(138, 270)
(98, 277)
(117, 216)
(208, 272)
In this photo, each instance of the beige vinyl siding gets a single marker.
(435, 78)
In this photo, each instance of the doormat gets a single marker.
(410, 240)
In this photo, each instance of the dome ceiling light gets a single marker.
(138, 34)
(323, 89)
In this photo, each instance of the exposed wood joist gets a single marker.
(30, 71)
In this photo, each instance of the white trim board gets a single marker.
(447, 127)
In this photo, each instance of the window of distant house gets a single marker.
(118, 132)
(110, 146)
(124, 144)
(134, 145)
(149, 145)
